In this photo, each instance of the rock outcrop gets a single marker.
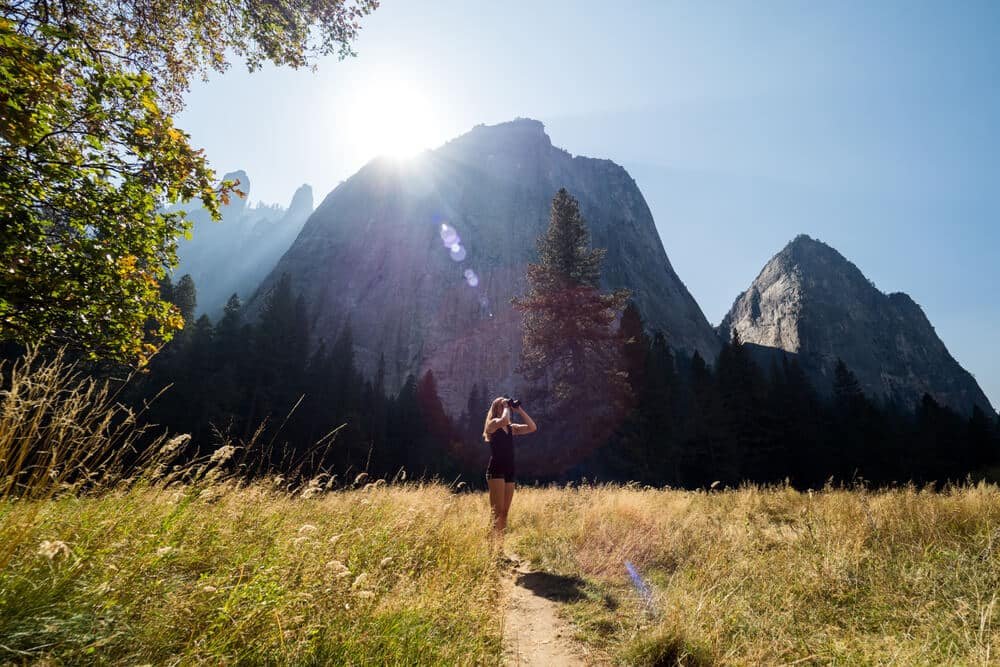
(373, 255)
(236, 253)
(810, 301)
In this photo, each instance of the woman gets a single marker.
(499, 432)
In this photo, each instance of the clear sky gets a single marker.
(874, 127)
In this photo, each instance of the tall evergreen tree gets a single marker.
(185, 297)
(635, 348)
(279, 354)
(571, 352)
(711, 458)
(742, 392)
(344, 387)
(981, 440)
(228, 332)
(846, 387)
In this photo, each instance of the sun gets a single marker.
(392, 116)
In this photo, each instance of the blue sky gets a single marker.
(874, 127)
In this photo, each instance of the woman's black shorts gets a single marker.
(500, 470)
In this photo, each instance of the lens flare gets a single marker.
(457, 252)
(448, 235)
(645, 592)
(471, 277)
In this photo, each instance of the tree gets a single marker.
(571, 352)
(847, 391)
(230, 339)
(711, 457)
(342, 371)
(185, 297)
(635, 347)
(742, 392)
(431, 408)
(851, 410)
(89, 155)
(434, 451)
(981, 442)
(280, 349)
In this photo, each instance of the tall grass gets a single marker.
(62, 432)
(190, 565)
(253, 575)
(770, 576)
(119, 555)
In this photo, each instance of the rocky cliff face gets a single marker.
(374, 254)
(235, 254)
(810, 301)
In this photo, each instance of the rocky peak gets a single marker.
(236, 202)
(372, 253)
(302, 202)
(236, 253)
(809, 300)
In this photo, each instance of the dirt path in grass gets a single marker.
(533, 633)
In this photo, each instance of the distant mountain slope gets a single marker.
(372, 254)
(235, 254)
(811, 301)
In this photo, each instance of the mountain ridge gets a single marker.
(235, 254)
(493, 186)
(811, 301)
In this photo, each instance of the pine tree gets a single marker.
(850, 410)
(846, 388)
(742, 393)
(232, 318)
(571, 353)
(185, 297)
(471, 421)
(435, 451)
(980, 437)
(343, 376)
(635, 348)
(431, 408)
(711, 458)
(279, 353)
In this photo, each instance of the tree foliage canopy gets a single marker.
(89, 154)
(571, 348)
(569, 338)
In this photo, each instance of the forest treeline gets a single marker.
(686, 422)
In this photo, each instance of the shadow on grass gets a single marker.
(555, 587)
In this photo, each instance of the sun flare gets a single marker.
(394, 117)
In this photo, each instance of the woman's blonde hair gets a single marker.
(495, 411)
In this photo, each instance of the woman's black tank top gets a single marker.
(502, 445)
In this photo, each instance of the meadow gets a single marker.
(403, 575)
(195, 566)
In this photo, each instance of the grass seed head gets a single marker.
(52, 548)
(222, 454)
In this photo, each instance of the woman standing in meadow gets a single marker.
(499, 432)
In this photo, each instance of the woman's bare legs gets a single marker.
(498, 502)
(508, 495)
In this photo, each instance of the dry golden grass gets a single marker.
(223, 574)
(181, 566)
(770, 576)
(404, 574)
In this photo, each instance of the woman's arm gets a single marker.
(527, 427)
(499, 422)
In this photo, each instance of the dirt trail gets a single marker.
(533, 632)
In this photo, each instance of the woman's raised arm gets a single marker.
(527, 427)
(499, 422)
